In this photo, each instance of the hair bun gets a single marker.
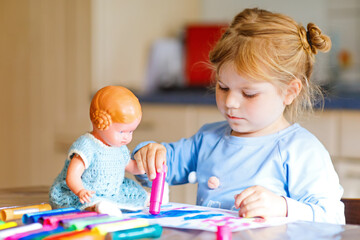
(316, 39)
(101, 119)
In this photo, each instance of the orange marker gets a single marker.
(17, 212)
(82, 234)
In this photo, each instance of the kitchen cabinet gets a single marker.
(338, 130)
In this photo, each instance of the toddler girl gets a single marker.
(93, 175)
(259, 161)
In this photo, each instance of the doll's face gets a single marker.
(117, 134)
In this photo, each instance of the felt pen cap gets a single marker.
(223, 233)
(152, 231)
(17, 212)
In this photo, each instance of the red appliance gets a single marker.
(199, 40)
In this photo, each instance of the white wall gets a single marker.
(304, 11)
(123, 32)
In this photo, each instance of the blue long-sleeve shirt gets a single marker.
(291, 163)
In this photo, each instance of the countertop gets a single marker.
(340, 99)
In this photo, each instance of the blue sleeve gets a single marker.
(313, 185)
(181, 158)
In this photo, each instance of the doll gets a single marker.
(93, 175)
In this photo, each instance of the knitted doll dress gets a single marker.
(104, 174)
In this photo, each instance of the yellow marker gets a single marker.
(102, 229)
(8, 225)
(17, 212)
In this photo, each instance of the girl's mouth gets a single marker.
(233, 117)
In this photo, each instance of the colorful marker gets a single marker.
(157, 191)
(64, 234)
(91, 226)
(17, 212)
(152, 231)
(42, 234)
(24, 234)
(8, 225)
(66, 223)
(102, 229)
(54, 220)
(34, 217)
(21, 229)
(1, 222)
(85, 235)
(80, 225)
(223, 233)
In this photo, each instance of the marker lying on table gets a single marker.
(85, 234)
(34, 217)
(54, 220)
(14, 230)
(17, 212)
(157, 191)
(103, 229)
(152, 231)
(64, 235)
(81, 224)
(24, 234)
(7, 225)
(43, 233)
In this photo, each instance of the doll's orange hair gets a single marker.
(114, 104)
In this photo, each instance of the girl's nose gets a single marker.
(232, 100)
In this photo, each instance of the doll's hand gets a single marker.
(85, 195)
(257, 201)
(150, 157)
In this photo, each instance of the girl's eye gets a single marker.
(222, 88)
(249, 95)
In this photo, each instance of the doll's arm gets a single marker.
(73, 179)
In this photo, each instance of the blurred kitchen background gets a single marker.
(55, 54)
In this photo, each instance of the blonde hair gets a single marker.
(114, 104)
(273, 47)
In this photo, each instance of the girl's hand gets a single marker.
(257, 201)
(150, 159)
(85, 195)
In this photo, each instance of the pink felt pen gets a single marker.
(223, 233)
(157, 190)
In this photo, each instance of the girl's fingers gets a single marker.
(239, 198)
(143, 153)
(160, 159)
(139, 163)
(150, 159)
(254, 212)
(151, 162)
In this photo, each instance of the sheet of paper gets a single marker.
(186, 216)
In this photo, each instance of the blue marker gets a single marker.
(34, 217)
(152, 231)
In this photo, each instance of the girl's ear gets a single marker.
(292, 91)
